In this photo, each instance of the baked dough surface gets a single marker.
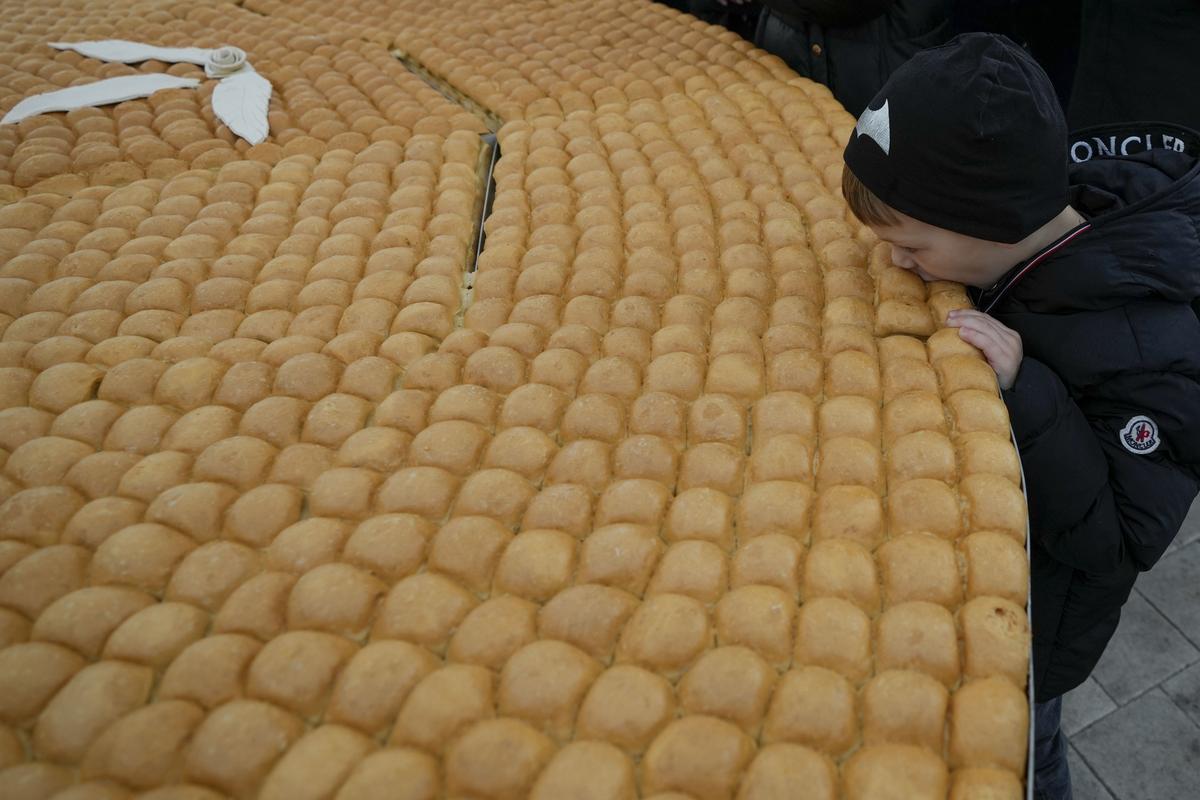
(681, 489)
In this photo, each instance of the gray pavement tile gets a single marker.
(1146, 649)
(1184, 689)
(1147, 750)
(1084, 705)
(1174, 590)
(1084, 783)
(1190, 530)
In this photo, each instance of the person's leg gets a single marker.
(1051, 773)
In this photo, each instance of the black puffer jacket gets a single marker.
(1106, 406)
(851, 47)
(1137, 60)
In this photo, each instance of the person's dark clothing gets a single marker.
(851, 47)
(1106, 405)
(1137, 61)
(742, 19)
(1051, 772)
(1048, 29)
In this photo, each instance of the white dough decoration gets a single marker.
(240, 99)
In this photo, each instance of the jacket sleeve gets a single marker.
(1093, 502)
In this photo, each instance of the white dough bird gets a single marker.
(240, 99)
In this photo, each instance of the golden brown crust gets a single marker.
(676, 490)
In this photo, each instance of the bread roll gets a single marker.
(924, 504)
(693, 568)
(589, 616)
(758, 617)
(978, 410)
(851, 372)
(904, 707)
(849, 461)
(566, 507)
(425, 491)
(658, 414)
(835, 634)
(850, 512)
(536, 564)
(699, 755)
(424, 608)
(717, 418)
(43, 576)
(319, 761)
(94, 698)
(493, 631)
(985, 782)
(373, 685)
(465, 402)
(795, 370)
(947, 342)
(779, 768)
(598, 766)
(921, 636)
(701, 513)
(391, 768)
(995, 565)
(586, 462)
(731, 683)
(665, 634)
(995, 504)
(960, 372)
(837, 339)
(157, 733)
(986, 452)
(784, 412)
(920, 566)
(157, 634)
(626, 706)
(895, 770)
(903, 316)
(840, 567)
(995, 637)
(814, 707)
(615, 375)
(31, 673)
(543, 683)
(498, 758)
(443, 704)
(989, 725)
(911, 412)
(253, 730)
(711, 465)
(849, 415)
(646, 457)
(921, 454)
(594, 416)
(775, 507)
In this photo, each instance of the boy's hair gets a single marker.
(865, 204)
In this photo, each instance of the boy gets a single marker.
(1084, 279)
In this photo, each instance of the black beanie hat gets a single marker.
(969, 137)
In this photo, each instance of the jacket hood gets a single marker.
(1144, 241)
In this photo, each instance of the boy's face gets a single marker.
(936, 254)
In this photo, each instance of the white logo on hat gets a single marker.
(1140, 436)
(876, 124)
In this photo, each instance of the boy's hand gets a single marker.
(1001, 345)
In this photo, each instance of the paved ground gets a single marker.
(1134, 727)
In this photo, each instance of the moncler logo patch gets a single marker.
(877, 124)
(1140, 436)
